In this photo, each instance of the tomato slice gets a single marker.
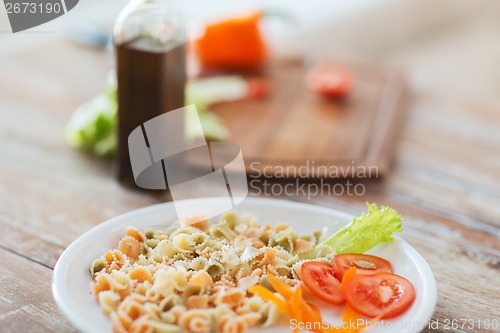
(364, 263)
(331, 81)
(381, 294)
(320, 279)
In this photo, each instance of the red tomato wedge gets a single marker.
(364, 263)
(320, 279)
(382, 294)
(331, 81)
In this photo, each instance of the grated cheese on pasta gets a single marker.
(195, 278)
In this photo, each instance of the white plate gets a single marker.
(71, 280)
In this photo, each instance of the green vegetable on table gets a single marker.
(93, 125)
(364, 232)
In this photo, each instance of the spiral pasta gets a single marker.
(196, 278)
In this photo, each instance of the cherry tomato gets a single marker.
(364, 263)
(331, 81)
(320, 279)
(381, 294)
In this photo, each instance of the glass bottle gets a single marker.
(149, 39)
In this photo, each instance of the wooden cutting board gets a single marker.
(294, 129)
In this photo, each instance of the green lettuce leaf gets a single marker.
(93, 126)
(370, 229)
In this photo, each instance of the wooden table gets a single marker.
(445, 181)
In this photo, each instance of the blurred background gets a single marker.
(450, 43)
(452, 39)
(447, 51)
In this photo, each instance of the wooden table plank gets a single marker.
(52, 193)
(26, 303)
(448, 160)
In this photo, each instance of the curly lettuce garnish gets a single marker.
(370, 229)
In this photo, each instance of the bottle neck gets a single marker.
(149, 25)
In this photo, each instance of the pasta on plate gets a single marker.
(195, 278)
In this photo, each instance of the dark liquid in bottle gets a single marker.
(150, 83)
